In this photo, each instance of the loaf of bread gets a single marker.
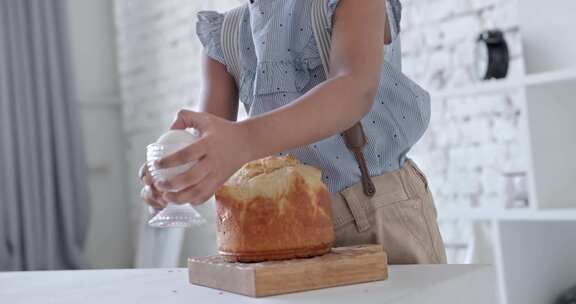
(272, 209)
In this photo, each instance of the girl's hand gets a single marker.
(149, 193)
(222, 149)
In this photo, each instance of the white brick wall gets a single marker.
(438, 38)
(158, 65)
(472, 141)
(158, 58)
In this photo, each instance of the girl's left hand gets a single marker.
(222, 149)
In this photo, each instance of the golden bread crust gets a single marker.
(274, 208)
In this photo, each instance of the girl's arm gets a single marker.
(356, 57)
(347, 95)
(219, 94)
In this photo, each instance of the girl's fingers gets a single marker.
(189, 119)
(189, 178)
(142, 172)
(195, 195)
(148, 180)
(145, 176)
(152, 197)
(189, 154)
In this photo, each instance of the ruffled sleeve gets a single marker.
(209, 29)
(394, 8)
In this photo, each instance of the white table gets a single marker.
(407, 284)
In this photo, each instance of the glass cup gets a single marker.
(516, 190)
(174, 215)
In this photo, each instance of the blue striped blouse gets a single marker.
(280, 62)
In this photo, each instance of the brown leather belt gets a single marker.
(356, 141)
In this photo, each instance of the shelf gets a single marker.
(493, 86)
(550, 77)
(507, 214)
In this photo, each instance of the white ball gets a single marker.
(178, 136)
(172, 141)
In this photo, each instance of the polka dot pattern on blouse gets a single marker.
(280, 62)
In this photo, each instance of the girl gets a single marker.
(296, 107)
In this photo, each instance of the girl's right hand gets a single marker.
(149, 193)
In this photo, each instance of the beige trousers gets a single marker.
(401, 216)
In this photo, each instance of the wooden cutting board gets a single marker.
(342, 266)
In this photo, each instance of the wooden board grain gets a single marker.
(342, 266)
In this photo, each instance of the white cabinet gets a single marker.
(552, 129)
(538, 260)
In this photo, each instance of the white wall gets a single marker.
(110, 237)
(472, 141)
(158, 59)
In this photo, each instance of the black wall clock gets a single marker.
(492, 55)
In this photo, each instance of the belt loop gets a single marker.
(406, 174)
(357, 208)
(420, 174)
